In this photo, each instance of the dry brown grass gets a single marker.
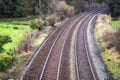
(109, 37)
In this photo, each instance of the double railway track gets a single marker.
(52, 59)
(85, 67)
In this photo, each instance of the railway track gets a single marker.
(51, 60)
(84, 65)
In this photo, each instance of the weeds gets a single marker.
(109, 38)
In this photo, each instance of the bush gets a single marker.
(109, 37)
(52, 19)
(37, 24)
(46, 22)
(3, 40)
(15, 28)
(117, 40)
(112, 40)
(68, 10)
(65, 10)
(5, 60)
(33, 25)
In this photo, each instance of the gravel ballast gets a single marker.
(101, 69)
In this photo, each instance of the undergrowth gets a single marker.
(112, 66)
(108, 38)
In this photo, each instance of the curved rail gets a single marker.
(52, 49)
(83, 29)
(77, 71)
(88, 55)
(29, 68)
(59, 66)
(38, 50)
(49, 47)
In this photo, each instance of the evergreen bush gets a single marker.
(3, 40)
(5, 60)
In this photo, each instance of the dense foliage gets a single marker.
(19, 8)
(5, 60)
(11, 8)
(81, 5)
(3, 40)
(114, 7)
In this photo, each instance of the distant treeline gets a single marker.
(113, 5)
(81, 5)
(19, 8)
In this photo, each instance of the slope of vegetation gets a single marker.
(116, 23)
(112, 66)
(11, 35)
(15, 32)
(108, 38)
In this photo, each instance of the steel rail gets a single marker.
(77, 71)
(52, 47)
(86, 49)
(46, 61)
(36, 52)
(63, 48)
(43, 70)
(58, 73)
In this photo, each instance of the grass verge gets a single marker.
(102, 27)
(116, 23)
(112, 66)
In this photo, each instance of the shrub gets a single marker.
(116, 40)
(65, 10)
(46, 23)
(112, 40)
(3, 40)
(33, 25)
(15, 28)
(5, 60)
(68, 10)
(52, 19)
(109, 37)
(37, 24)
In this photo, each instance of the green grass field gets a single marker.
(112, 66)
(116, 23)
(15, 31)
